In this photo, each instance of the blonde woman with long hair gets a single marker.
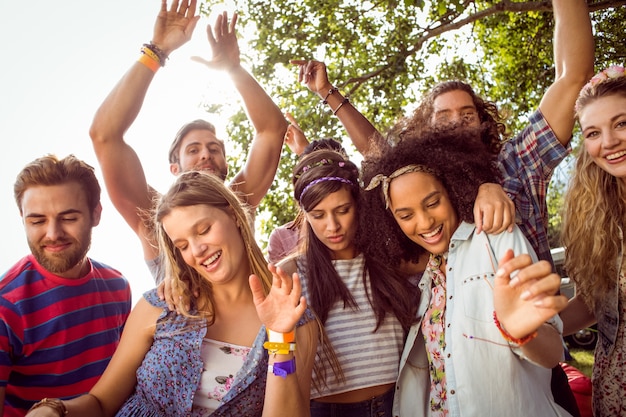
(593, 234)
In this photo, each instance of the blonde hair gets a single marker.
(592, 225)
(199, 188)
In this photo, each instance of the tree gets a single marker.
(385, 54)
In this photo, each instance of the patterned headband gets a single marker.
(319, 163)
(323, 179)
(610, 73)
(386, 180)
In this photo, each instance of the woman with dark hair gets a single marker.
(365, 306)
(487, 335)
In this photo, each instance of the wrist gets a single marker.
(510, 338)
(283, 369)
(325, 92)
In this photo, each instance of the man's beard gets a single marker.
(59, 263)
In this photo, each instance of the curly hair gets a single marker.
(456, 158)
(390, 291)
(594, 202)
(493, 130)
(592, 224)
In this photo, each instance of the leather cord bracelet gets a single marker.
(53, 403)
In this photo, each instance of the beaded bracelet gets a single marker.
(330, 92)
(345, 100)
(54, 403)
(507, 336)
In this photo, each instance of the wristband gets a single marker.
(149, 62)
(507, 336)
(277, 348)
(151, 54)
(283, 369)
(273, 336)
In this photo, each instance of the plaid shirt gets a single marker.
(526, 164)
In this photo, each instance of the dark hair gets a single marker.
(456, 158)
(50, 170)
(493, 130)
(197, 124)
(390, 291)
(324, 143)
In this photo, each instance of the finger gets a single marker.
(298, 62)
(529, 271)
(556, 303)
(511, 214)
(478, 219)
(210, 36)
(497, 224)
(161, 291)
(201, 60)
(296, 285)
(503, 272)
(233, 22)
(174, 6)
(191, 10)
(542, 287)
(291, 119)
(182, 7)
(164, 6)
(258, 296)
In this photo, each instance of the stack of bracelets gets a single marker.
(152, 56)
(281, 344)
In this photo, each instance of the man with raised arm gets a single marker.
(196, 145)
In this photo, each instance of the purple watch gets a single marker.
(283, 368)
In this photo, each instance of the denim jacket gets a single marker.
(485, 376)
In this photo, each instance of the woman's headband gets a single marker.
(323, 179)
(384, 180)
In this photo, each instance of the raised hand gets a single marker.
(295, 138)
(313, 74)
(281, 309)
(174, 27)
(527, 300)
(223, 41)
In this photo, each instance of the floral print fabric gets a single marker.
(433, 326)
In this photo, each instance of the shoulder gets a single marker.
(152, 297)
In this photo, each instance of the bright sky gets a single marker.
(60, 59)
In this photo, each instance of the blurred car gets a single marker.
(584, 338)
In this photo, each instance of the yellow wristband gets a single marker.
(277, 348)
(151, 54)
(149, 62)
